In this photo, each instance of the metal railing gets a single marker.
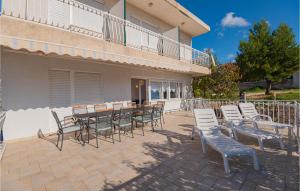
(2, 143)
(81, 18)
(282, 111)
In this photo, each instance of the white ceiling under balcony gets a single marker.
(174, 14)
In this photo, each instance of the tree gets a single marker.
(222, 83)
(270, 56)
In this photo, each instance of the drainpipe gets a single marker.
(124, 12)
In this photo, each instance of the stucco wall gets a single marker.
(132, 11)
(25, 89)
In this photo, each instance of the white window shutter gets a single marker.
(59, 88)
(87, 88)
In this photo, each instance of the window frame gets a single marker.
(166, 84)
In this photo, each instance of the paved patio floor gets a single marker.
(163, 160)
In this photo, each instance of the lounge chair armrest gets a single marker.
(262, 116)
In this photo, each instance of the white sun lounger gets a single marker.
(210, 134)
(249, 111)
(238, 124)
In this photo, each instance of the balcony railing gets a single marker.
(77, 17)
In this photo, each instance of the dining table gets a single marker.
(90, 117)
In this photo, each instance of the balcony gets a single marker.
(76, 17)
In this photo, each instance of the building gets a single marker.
(58, 53)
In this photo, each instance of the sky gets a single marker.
(230, 21)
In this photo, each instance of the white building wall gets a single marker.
(26, 91)
(132, 11)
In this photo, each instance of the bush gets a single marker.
(221, 84)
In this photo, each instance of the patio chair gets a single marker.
(163, 109)
(100, 107)
(145, 117)
(210, 134)
(249, 111)
(153, 102)
(146, 102)
(69, 126)
(123, 121)
(103, 124)
(79, 109)
(117, 106)
(131, 104)
(157, 115)
(238, 124)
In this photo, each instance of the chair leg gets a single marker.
(96, 132)
(203, 143)
(193, 132)
(261, 144)
(131, 127)
(160, 124)
(88, 134)
(62, 141)
(281, 143)
(163, 116)
(152, 125)
(255, 161)
(235, 135)
(58, 136)
(81, 136)
(120, 134)
(143, 129)
(226, 165)
(112, 136)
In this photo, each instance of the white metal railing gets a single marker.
(2, 143)
(283, 111)
(78, 17)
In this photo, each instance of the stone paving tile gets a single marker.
(162, 160)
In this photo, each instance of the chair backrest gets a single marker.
(157, 110)
(79, 109)
(147, 111)
(206, 120)
(100, 107)
(231, 113)
(124, 116)
(131, 104)
(162, 103)
(117, 106)
(248, 110)
(146, 102)
(59, 125)
(153, 102)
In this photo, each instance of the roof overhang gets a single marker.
(174, 14)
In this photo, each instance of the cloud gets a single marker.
(234, 21)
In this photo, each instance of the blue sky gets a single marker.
(230, 21)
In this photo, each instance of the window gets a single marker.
(156, 90)
(165, 90)
(173, 88)
(87, 88)
(179, 90)
(59, 88)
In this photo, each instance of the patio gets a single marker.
(162, 160)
